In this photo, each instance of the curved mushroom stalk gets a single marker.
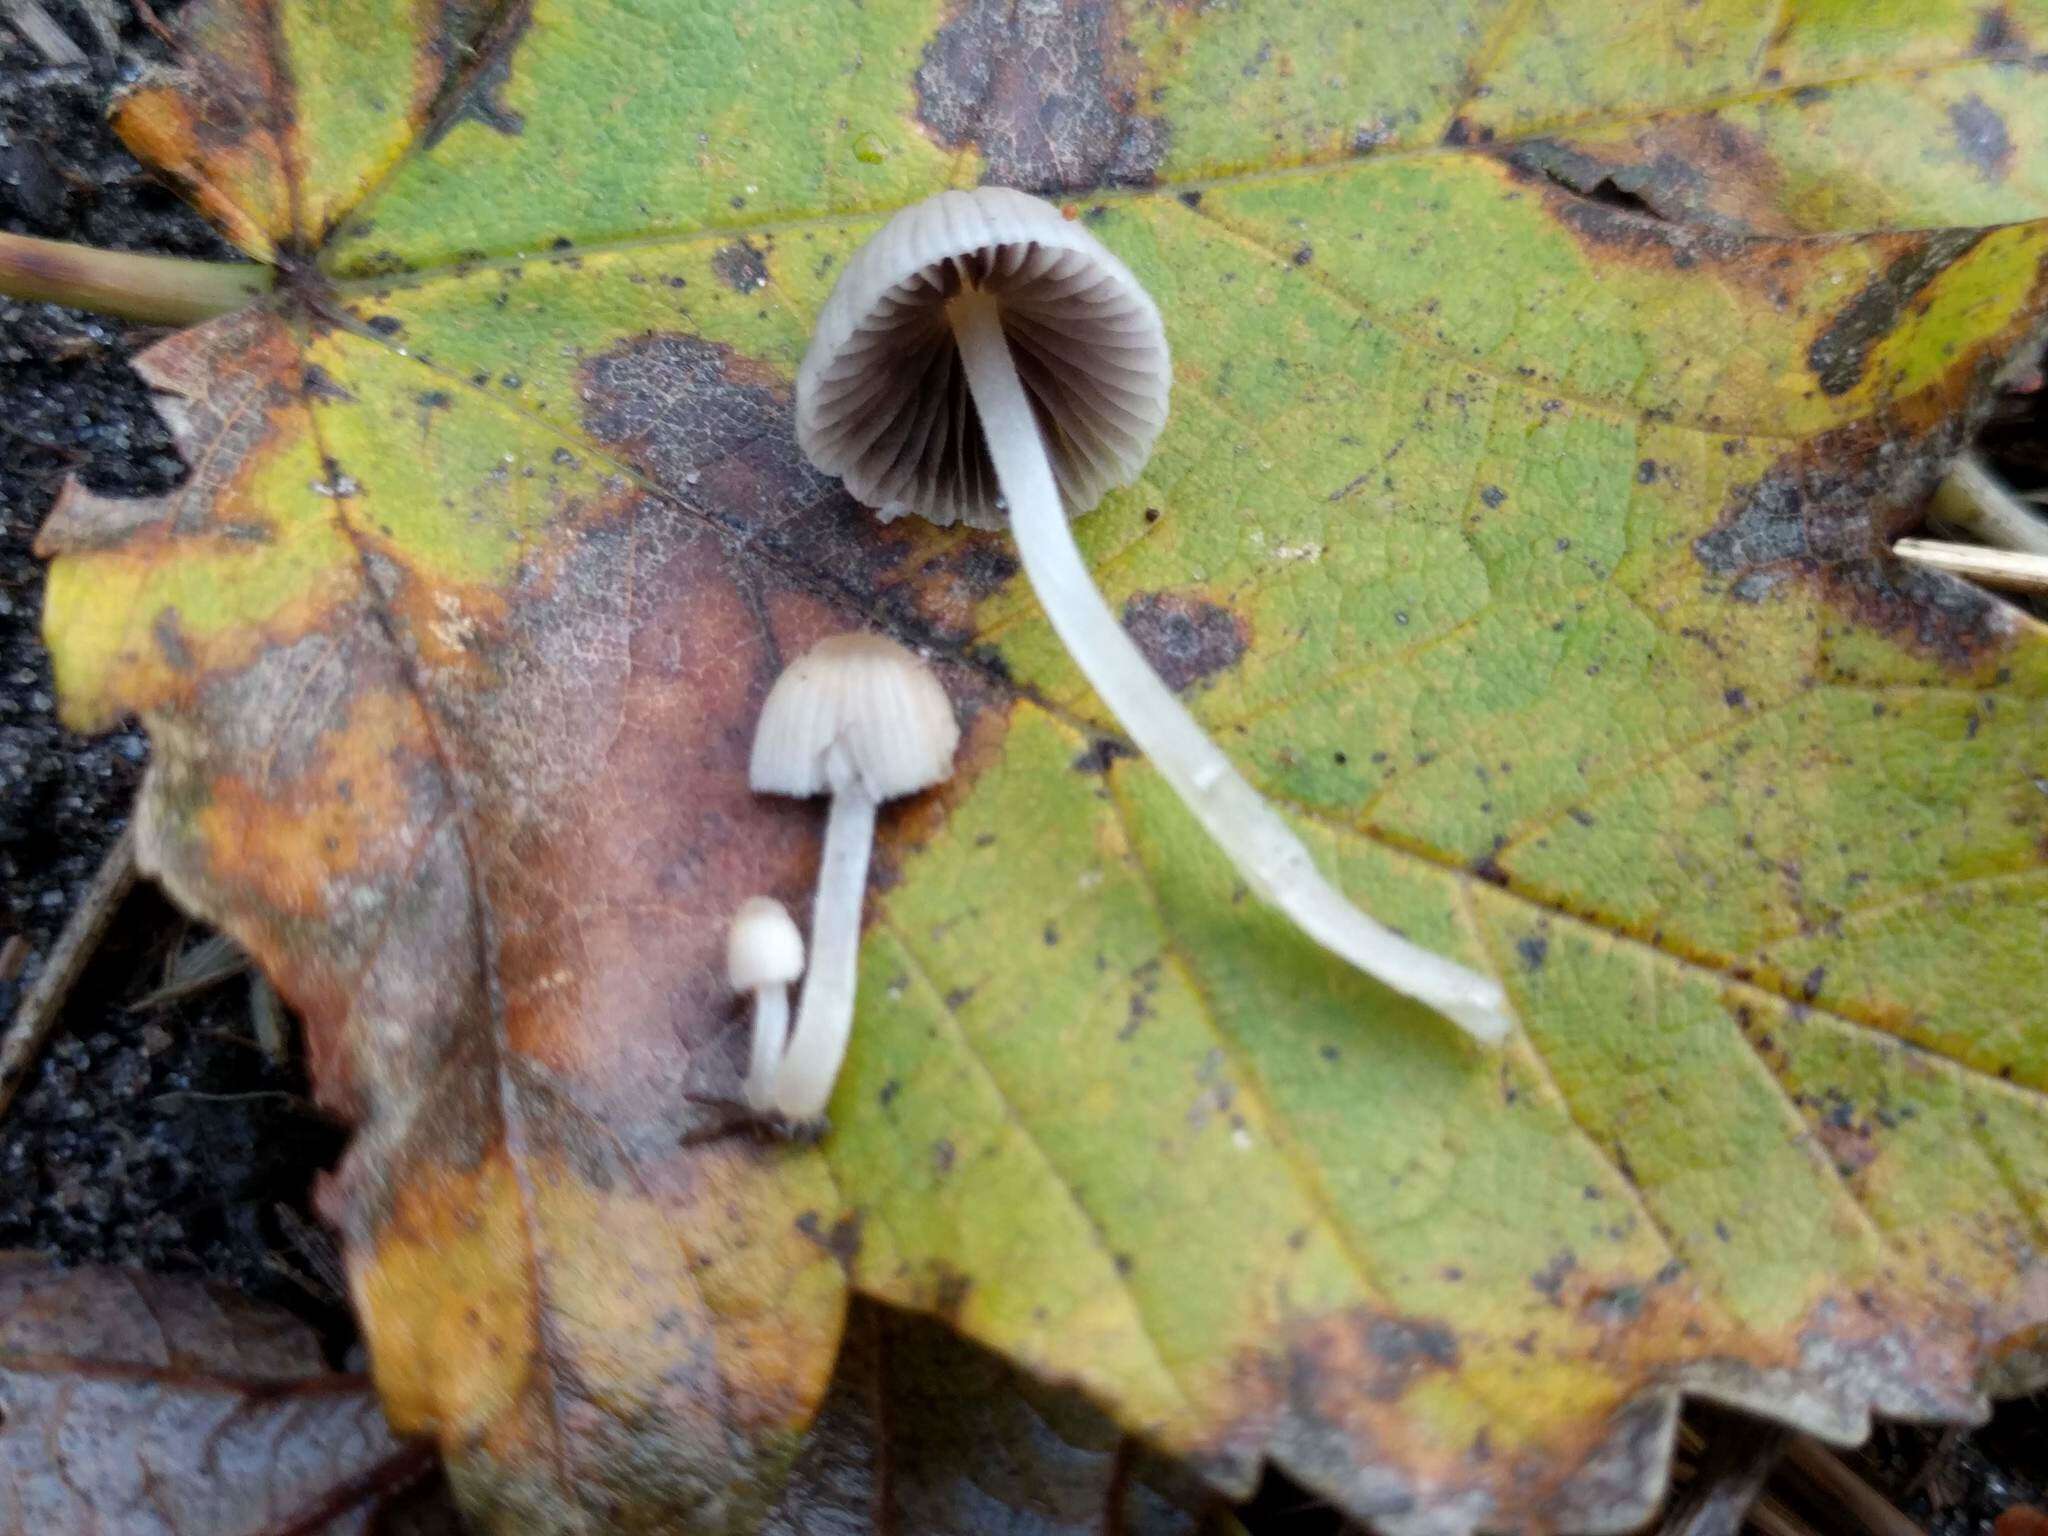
(1262, 846)
(765, 1052)
(981, 342)
(824, 1019)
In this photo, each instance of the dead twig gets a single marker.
(151, 20)
(99, 15)
(43, 34)
(1934, 1477)
(1732, 1472)
(1868, 1508)
(267, 1021)
(324, 1278)
(195, 968)
(40, 1010)
(1990, 567)
(1771, 1518)
(1973, 498)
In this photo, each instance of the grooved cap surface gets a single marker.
(882, 401)
(853, 709)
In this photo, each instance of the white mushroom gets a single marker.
(863, 720)
(981, 342)
(764, 953)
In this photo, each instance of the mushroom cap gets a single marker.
(882, 401)
(855, 708)
(764, 947)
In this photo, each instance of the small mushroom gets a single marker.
(764, 953)
(863, 720)
(982, 355)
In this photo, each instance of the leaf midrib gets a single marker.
(511, 1116)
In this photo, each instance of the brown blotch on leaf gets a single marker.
(170, 641)
(1342, 1373)
(1937, 614)
(1838, 355)
(1997, 36)
(1462, 134)
(1100, 754)
(842, 1239)
(1848, 1139)
(1826, 513)
(317, 384)
(1609, 208)
(1046, 92)
(716, 430)
(1403, 1349)
(1187, 639)
(1696, 169)
(741, 267)
(712, 427)
(1654, 188)
(1981, 137)
(475, 68)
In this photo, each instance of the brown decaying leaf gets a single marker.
(410, 811)
(923, 1434)
(136, 1405)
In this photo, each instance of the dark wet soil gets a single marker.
(162, 1137)
(166, 1136)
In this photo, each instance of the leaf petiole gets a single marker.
(159, 290)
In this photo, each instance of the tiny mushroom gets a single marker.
(764, 953)
(984, 358)
(863, 720)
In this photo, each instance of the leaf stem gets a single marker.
(158, 290)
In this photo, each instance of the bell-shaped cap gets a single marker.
(764, 947)
(882, 401)
(856, 709)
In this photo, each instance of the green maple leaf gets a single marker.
(1529, 549)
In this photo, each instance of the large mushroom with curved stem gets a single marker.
(984, 359)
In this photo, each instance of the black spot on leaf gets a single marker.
(1187, 639)
(1838, 355)
(1042, 91)
(477, 69)
(1981, 136)
(741, 267)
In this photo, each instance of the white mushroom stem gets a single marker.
(1265, 850)
(771, 1035)
(824, 1018)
